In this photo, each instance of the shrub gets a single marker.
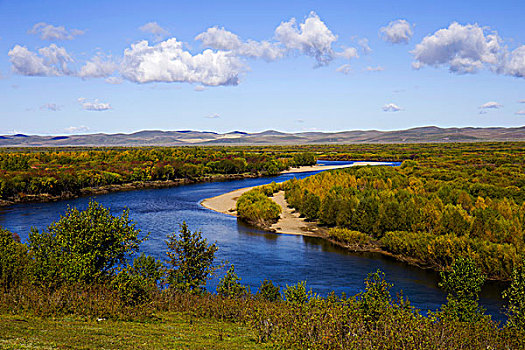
(256, 208)
(269, 291)
(191, 259)
(515, 295)
(83, 246)
(463, 283)
(14, 260)
(229, 285)
(297, 294)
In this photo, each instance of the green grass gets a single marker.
(169, 331)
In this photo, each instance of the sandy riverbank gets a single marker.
(290, 222)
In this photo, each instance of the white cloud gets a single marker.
(169, 62)
(463, 48)
(522, 112)
(312, 38)
(93, 106)
(397, 32)
(49, 61)
(348, 53)
(51, 107)
(363, 43)
(513, 63)
(213, 116)
(155, 29)
(54, 33)
(521, 101)
(76, 129)
(345, 69)
(491, 105)
(391, 107)
(374, 69)
(97, 67)
(222, 39)
(114, 80)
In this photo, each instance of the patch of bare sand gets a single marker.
(225, 203)
(308, 168)
(290, 222)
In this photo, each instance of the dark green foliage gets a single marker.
(463, 283)
(14, 260)
(83, 246)
(229, 285)
(297, 294)
(269, 291)
(310, 206)
(515, 296)
(191, 260)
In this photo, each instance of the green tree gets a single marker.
(376, 297)
(269, 291)
(14, 260)
(297, 294)
(229, 285)
(515, 295)
(191, 260)
(463, 283)
(83, 246)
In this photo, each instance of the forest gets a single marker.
(34, 174)
(441, 203)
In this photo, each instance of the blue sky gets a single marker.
(122, 66)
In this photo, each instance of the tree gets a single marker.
(229, 285)
(463, 283)
(13, 260)
(269, 291)
(376, 297)
(515, 295)
(191, 259)
(83, 246)
(297, 294)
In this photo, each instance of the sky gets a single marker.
(70, 67)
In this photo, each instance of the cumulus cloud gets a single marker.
(374, 69)
(49, 61)
(312, 38)
(54, 33)
(76, 129)
(513, 63)
(51, 107)
(391, 107)
(397, 32)
(169, 62)
(491, 105)
(97, 67)
(348, 53)
(155, 29)
(463, 48)
(522, 112)
(93, 106)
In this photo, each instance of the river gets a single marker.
(284, 259)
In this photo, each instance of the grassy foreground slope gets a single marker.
(167, 331)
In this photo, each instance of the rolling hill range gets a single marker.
(269, 137)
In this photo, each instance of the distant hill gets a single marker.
(269, 137)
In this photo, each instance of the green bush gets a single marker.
(191, 260)
(515, 295)
(14, 260)
(297, 294)
(269, 291)
(83, 246)
(230, 287)
(349, 237)
(256, 208)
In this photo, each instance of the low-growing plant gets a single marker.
(297, 294)
(269, 291)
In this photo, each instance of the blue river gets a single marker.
(284, 259)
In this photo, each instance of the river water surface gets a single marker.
(284, 259)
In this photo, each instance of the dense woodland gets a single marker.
(447, 201)
(30, 172)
